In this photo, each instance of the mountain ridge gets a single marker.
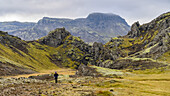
(96, 27)
(15, 25)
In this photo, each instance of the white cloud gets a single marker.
(33, 10)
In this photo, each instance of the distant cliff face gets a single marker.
(13, 26)
(97, 27)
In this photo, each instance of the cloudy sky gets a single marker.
(33, 10)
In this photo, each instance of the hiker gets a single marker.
(56, 77)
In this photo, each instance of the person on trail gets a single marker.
(56, 77)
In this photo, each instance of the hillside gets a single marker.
(97, 27)
(147, 42)
(144, 47)
(64, 50)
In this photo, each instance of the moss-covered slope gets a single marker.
(57, 49)
(24, 54)
(147, 42)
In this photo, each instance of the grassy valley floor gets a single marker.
(117, 83)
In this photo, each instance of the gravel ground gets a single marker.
(34, 87)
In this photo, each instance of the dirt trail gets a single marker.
(59, 71)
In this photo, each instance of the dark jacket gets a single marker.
(56, 75)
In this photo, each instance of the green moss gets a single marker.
(169, 33)
(165, 57)
(74, 53)
(155, 33)
(108, 72)
(41, 57)
(36, 59)
(126, 42)
(157, 93)
(6, 60)
(148, 49)
(115, 38)
(166, 14)
(151, 71)
(162, 20)
(139, 59)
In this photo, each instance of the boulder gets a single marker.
(84, 70)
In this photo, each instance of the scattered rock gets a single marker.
(111, 90)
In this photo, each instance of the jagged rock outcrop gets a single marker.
(159, 30)
(100, 53)
(55, 38)
(76, 49)
(71, 48)
(135, 32)
(150, 40)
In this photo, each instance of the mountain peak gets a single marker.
(106, 17)
(55, 38)
(106, 14)
(102, 16)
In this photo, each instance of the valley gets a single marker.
(130, 83)
(136, 64)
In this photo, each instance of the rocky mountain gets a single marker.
(97, 27)
(142, 58)
(13, 26)
(145, 46)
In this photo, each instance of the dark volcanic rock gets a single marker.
(133, 64)
(55, 38)
(135, 32)
(84, 70)
(155, 35)
(150, 40)
(100, 53)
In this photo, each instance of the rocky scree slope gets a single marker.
(97, 27)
